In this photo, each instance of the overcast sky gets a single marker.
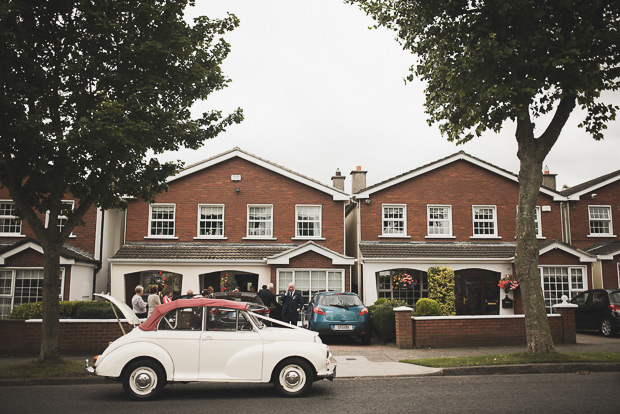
(321, 91)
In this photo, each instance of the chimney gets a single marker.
(548, 180)
(358, 178)
(338, 180)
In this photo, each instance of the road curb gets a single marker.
(549, 368)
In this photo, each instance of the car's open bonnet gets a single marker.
(123, 307)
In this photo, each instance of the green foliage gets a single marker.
(68, 310)
(382, 318)
(427, 307)
(441, 288)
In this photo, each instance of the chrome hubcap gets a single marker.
(292, 378)
(143, 381)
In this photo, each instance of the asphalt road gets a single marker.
(548, 393)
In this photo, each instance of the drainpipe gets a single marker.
(99, 265)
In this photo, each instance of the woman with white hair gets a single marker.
(138, 304)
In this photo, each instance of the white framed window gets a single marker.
(557, 281)
(388, 288)
(394, 221)
(537, 222)
(19, 286)
(310, 281)
(308, 221)
(260, 221)
(600, 221)
(10, 224)
(210, 221)
(484, 221)
(67, 206)
(161, 220)
(439, 223)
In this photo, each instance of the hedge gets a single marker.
(74, 309)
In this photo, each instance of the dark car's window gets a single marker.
(599, 297)
(581, 298)
(614, 297)
(222, 319)
(340, 300)
(185, 319)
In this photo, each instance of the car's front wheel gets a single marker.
(143, 380)
(607, 328)
(292, 377)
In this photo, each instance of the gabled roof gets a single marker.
(336, 194)
(68, 254)
(461, 155)
(284, 257)
(458, 251)
(573, 193)
(605, 250)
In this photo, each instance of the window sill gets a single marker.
(308, 238)
(440, 237)
(162, 237)
(259, 238)
(210, 238)
(12, 235)
(486, 237)
(394, 236)
(602, 235)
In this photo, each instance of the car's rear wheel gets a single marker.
(292, 377)
(366, 338)
(607, 328)
(143, 380)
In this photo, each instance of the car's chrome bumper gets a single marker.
(330, 372)
(88, 369)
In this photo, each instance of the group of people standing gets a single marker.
(291, 300)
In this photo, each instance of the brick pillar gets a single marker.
(404, 327)
(567, 312)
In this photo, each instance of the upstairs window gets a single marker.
(484, 221)
(600, 220)
(260, 221)
(394, 220)
(211, 221)
(162, 220)
(308, 222)
(439, 221)
(10, 224)
(67, 207)
(537, 222)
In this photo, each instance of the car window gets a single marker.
(614, 297)
(340, 300)
(599, 296)
(580, 299)
(223, 319)
(183, 319)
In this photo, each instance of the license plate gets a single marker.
(343, 327)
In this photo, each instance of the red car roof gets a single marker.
(151, 323)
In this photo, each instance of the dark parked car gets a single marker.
(338, 314)
(598, 309)
(256, 304)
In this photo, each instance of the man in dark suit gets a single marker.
(292, 302)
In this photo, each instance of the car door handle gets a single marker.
(207, 338)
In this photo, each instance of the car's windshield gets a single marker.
(614, 297)
(340, 300)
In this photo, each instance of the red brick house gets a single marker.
(238, 215)
(458, 212)
(590, 211)
(21, 258)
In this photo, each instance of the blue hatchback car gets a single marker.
(338, 314)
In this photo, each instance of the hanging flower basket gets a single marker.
(403, 281)
(226, 283)
(508, 283)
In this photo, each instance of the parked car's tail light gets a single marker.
(614, 308)
(95, 358)
(318, 311)
(364, 311)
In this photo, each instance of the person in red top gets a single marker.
(168, 296)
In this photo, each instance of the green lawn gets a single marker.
(516, 358)
(38, 369)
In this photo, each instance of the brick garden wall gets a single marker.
(21, 337)
(468, 331)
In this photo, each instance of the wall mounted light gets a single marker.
(237, 189)
(367, 200)
(593, 196)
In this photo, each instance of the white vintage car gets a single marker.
(212, 340)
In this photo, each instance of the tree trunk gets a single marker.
(537, 328)
(50, 342)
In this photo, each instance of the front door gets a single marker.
(476, 292)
